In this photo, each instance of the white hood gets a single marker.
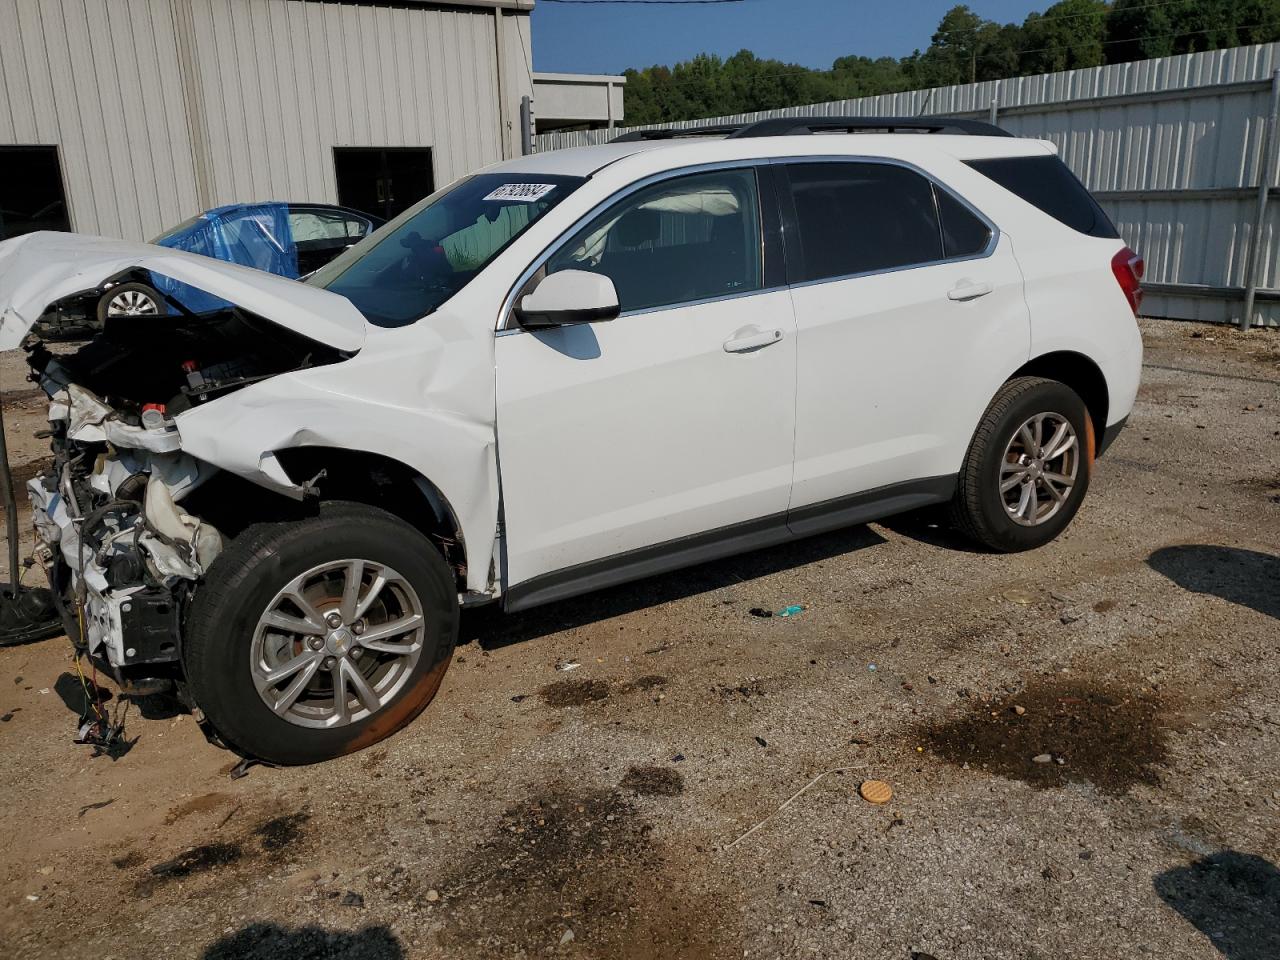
(39, 268)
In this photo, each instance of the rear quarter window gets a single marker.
(1046, 183)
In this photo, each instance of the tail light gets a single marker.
(1128, 268)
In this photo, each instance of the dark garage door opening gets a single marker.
(31, 196)
(383, 180)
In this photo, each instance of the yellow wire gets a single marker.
(84, 683)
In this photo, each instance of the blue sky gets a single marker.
(576, 38)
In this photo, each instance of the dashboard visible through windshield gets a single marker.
(411, 266)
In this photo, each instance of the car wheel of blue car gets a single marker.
(130, 300)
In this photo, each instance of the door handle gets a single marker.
(752, 341)
(968, 290)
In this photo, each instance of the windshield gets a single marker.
(423, 257)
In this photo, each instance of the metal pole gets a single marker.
(1266, 174)
(526, 126)
(10, 510)
(995, 104)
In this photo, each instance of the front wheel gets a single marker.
(312, 639)
(1027, 468)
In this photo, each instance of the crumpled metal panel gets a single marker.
(39, 268)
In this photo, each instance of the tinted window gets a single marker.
(691, 238)
(420, 259)
(859, 217)
(963, 234)
(1046, 183)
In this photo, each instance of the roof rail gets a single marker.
(792, 126)
(672, 133)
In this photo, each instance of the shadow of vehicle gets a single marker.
(270, 941)
(1246, 577)
(932, 527)
(1232, 898)
(494, 629)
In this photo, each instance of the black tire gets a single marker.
(242, 583)
(131, 289)
(978, 510)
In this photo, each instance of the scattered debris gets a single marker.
(433, 896)
(791, 611)
(762, 741)
(519, 697)
(94, 806)
(351, 899)
(564, 666)
(242, 768)
(106, 737)
(760, 612)
(1019, 709)
(871, 667)
(566, 937)
(1042, 758)
(876, 791)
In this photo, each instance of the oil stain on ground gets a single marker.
(281, 832)
(574, 693)
(272, 838)
(654, 781)
(582, 862)
(1109, 735)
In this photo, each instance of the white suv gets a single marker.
(564, 372)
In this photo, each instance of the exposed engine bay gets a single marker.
(121, 553)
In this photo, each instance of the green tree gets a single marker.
(1067, 36)
(1137, 30)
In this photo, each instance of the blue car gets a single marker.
(287, 239)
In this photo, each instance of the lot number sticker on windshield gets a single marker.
(521, 192)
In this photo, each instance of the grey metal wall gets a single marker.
(1173, 148)
(161, 108)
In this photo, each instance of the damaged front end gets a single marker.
(122, 554)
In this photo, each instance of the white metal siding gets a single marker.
(106, 91)
(277, 85)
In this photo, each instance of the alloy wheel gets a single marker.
(1039, 469)
(337, 643)
(132, 303)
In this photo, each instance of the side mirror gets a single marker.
(568, 297)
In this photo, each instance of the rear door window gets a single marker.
(856, 217)
(1046, 183)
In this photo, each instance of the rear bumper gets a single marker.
(1109, 435)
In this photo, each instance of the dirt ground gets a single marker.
(1082, 745)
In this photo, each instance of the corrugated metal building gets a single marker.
(1174, 149)
(144, 112)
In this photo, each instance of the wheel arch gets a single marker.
(1079, 373)
(381, 481)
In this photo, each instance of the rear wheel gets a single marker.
(316, 638)
(1027, 468)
